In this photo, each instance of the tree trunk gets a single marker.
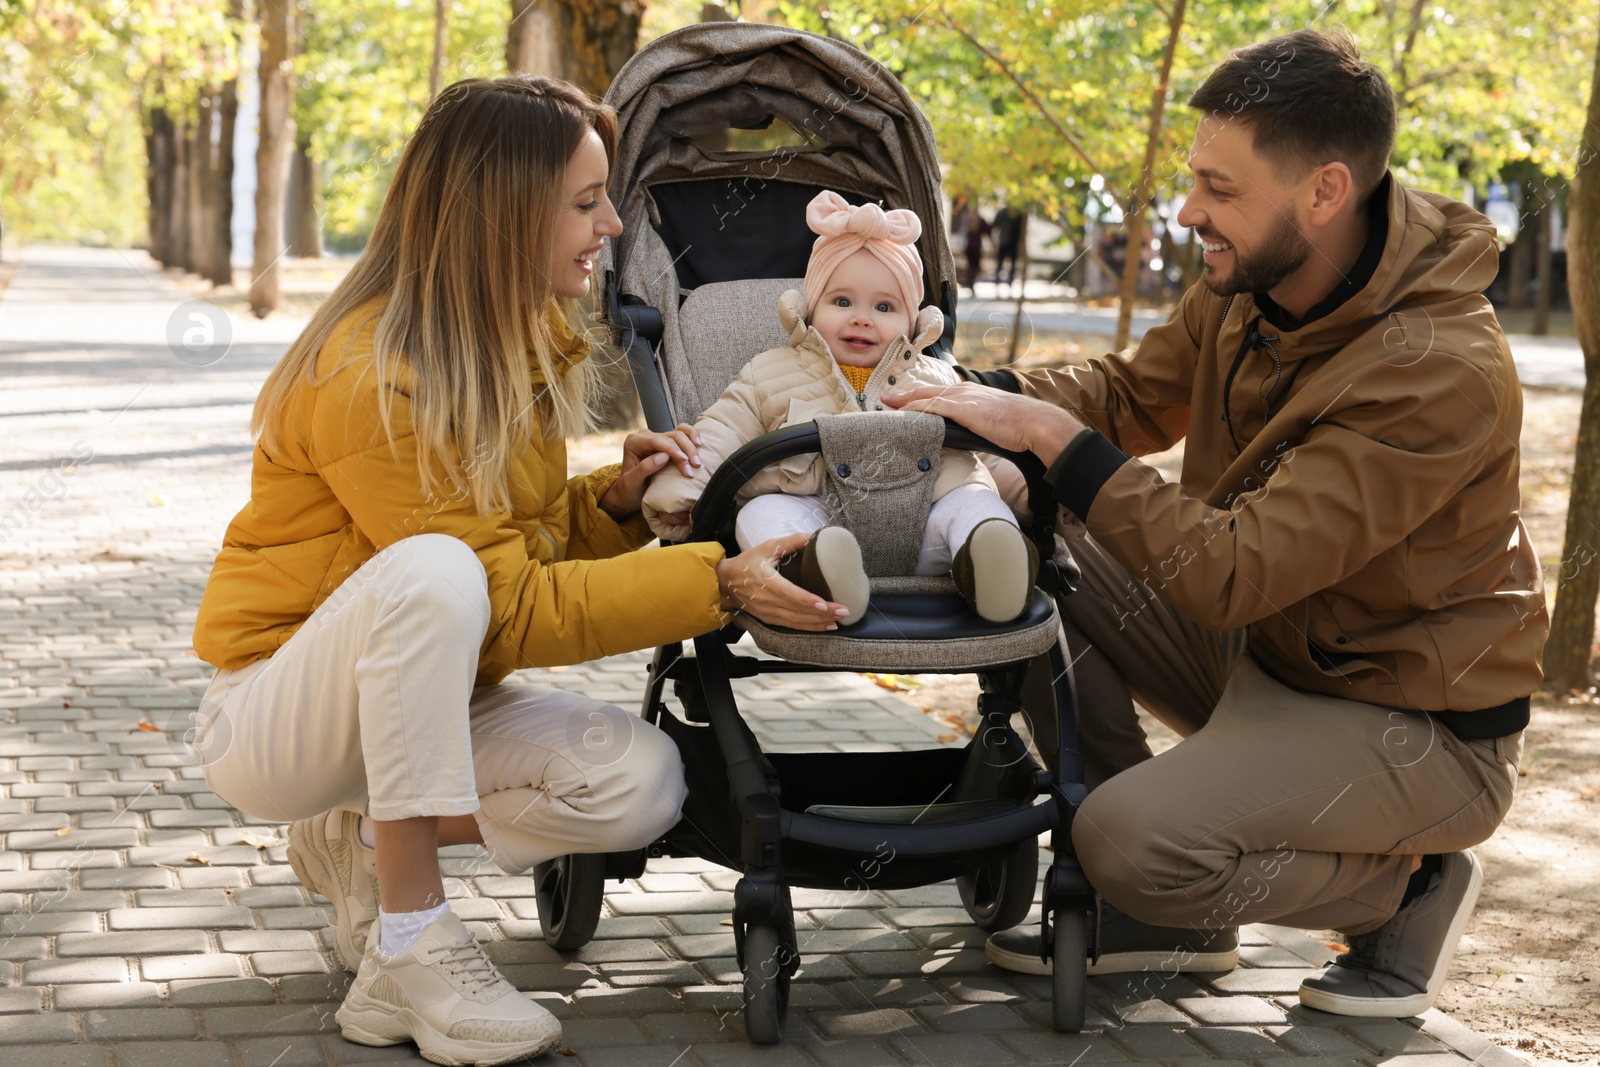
(1021, 269)
(178, 204)
(583, 41)
(1133, 218)
(201, 165)
(219, 268)
(441, 12)
(273, 152)
(1522, 252)
(1569, 651)
(1544, 272)
(305, 202)
(158, 181)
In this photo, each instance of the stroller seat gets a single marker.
(915, 624)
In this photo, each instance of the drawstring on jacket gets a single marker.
(1253, 339)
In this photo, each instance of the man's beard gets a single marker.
(1283, 252)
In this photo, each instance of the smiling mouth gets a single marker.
(1212, 246)
(586, 257)
(861, 341)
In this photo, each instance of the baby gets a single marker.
(855, 333)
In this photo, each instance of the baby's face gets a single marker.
(861, 311)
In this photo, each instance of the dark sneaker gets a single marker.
(995, 570)
(830, 566)
(1126, 946)
(1396, 971)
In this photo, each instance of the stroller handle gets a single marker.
(712, 518)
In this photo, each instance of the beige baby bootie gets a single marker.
(830, 566)
(995, 570)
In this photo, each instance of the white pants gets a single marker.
(951, 520)
(371, 707)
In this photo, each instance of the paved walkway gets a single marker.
(144, 922)
(1542, 362)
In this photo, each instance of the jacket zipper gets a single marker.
(555, 551)
(895, 350)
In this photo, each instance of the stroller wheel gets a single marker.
(570, 891)
(999, 895)
(769, 961)
(1069, 970)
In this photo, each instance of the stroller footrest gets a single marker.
(906, 814)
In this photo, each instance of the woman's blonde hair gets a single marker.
(463, 249)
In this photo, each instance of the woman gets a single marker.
(412, 538)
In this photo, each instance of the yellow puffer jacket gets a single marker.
(564, 585)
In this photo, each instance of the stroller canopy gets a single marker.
(726, 131)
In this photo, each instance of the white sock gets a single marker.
(399, 930)
(365, 832)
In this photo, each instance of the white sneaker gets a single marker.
(328, 857)
(445, 995)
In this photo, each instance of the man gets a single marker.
(1336, 603)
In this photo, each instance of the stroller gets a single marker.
(727, 130)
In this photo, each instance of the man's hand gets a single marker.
(1019, 423)
(750, 582)
(643, 454)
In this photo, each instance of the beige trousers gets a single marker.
(1278, 806)
(371, 707)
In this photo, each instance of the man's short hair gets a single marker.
(1309, 99)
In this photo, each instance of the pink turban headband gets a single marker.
(891, 236)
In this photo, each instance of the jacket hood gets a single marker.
(1437, 250)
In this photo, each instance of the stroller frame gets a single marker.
(830, 820)
(996, 880)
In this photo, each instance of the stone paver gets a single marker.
(143, 921)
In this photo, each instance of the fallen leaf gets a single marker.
(563, 667)
(64, 831)
(1336, 947)
(195, 857)
(261, 840)
(946, 737)
(895, 683)
(565, 1051)
(149, 727)
(66, 703)
(155, 498)
(727, 922)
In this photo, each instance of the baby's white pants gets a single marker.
(951, 520)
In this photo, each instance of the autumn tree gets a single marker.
(274, 151)
(583, 41)
(1569, 651)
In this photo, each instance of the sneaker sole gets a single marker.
(1120, 962)
(378, 1027)
(316, 876)
(999, 571)
(1417, 1003)
(838, 556)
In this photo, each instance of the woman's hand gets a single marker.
(1018, 423)
(750, 582)
(643, 454)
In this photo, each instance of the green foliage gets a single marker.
(362, 86)
(74, 82)
(1484, 85)
(1480, 85)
